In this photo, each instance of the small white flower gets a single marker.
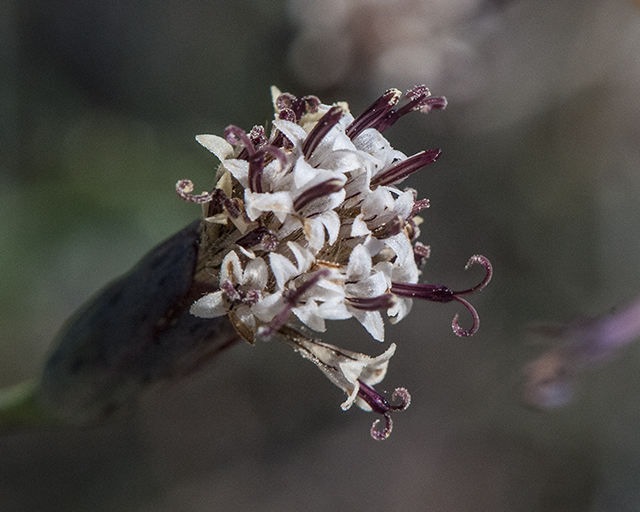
(307, 223)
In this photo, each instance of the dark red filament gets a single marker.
(320, 130)
(322, 189)
(406, 168)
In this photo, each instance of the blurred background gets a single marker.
(99, 104)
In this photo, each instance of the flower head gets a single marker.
(309, 223)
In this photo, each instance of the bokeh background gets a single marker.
(99, 104)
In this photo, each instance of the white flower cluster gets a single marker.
(330, 227)
(308, 223)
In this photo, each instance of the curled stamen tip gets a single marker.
(184, 189)
(484, 261)
(465, 333)
(185, 186)
(381, 435)
(405, 399)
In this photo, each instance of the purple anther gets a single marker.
(320, 130)
(418, 98)
(298, 106)
(406, 168)
(384, 301)
(228, 288)
(252, 297)
(286, 114)
(258, 139)
(325, 188)
(418, 206)
(380, 405)
(311, 103)
(421, 253)
(439, 293)
(285, 101)
(374, 113)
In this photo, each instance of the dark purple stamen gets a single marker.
(256, 164)
(237, 137)
(291, 299)
(322, 189)
(320, 130)
(406, 168)
(380, 405)
(418, 98)
(374, 113)
(384, 301)
(439, 293)
(261, 235)
(255, 150)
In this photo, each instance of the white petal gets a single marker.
(291, 131)
(304, 258)
(231, 268)
(343, 161)
(308, 315)
(314, 231)
(331, 222)
(239, 169)
(303, 173)
(401, 246)
(247, 252)
(404, 204)
(407, 272)
(217, 145)
(400, 309)
(279, 203)
(375, 371)
(256, 274)
(373, 142)
(353, 394)
(359, 265)
(270, 305)
(372, 286)
(359, 227)
(211, 305)
(377, 205)
(371, 321)
(282, 269)
(334, 310)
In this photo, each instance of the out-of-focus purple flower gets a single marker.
(549, 380)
